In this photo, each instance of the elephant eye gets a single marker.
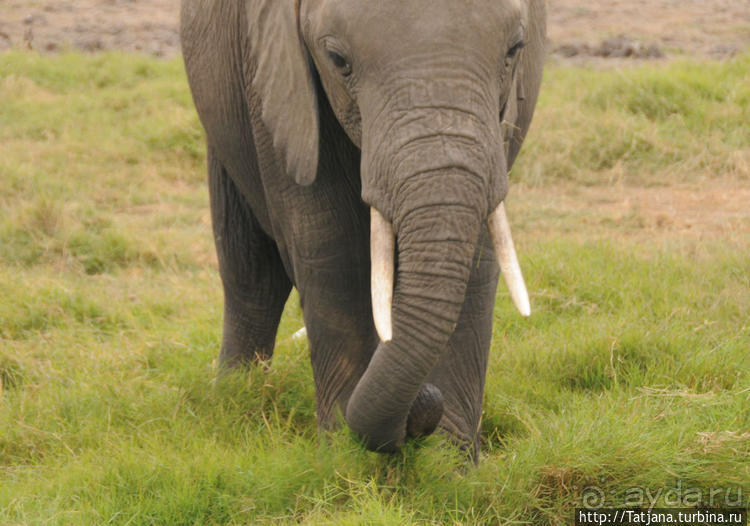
(341, 63)
(515, 48)
(513, 53)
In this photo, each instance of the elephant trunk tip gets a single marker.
(423, 419)
(425, 412)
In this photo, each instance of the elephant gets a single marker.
(359, 152)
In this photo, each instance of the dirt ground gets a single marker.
(592, 30)
(148, 26)
(577, 28)
(709, 28)
(696, 213)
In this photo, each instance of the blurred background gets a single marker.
(577, 28)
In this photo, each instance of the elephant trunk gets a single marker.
(433, 170)
(436, 245)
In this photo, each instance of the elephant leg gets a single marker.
(256, 285)
(342, 340)
(460, 373)
(334, 282)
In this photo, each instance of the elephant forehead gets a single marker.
(372, 26)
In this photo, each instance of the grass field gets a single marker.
(630, 383)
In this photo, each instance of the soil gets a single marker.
(577, 28)
(708, 28)
(148, 26)
(700, 212)
(589, 30)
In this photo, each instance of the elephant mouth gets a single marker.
(382, 254)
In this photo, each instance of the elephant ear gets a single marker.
(284, 83)
(528, 78)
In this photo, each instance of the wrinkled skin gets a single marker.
(319, 110)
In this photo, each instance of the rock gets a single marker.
(620, 46)
(624, 46)
(90, 44)
(35, 19)
(573, 50)
(723, 51)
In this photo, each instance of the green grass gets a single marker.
(629, 381)
(651, 125)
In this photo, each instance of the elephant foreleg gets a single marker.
(342, 340)
(256, 285)
(330, 251)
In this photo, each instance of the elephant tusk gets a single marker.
(382, 247)
(506, 256)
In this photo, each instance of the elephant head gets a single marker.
(437, 94)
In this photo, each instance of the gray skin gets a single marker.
(317, 110)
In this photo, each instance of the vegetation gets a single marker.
(629, 384)
(647, 125)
